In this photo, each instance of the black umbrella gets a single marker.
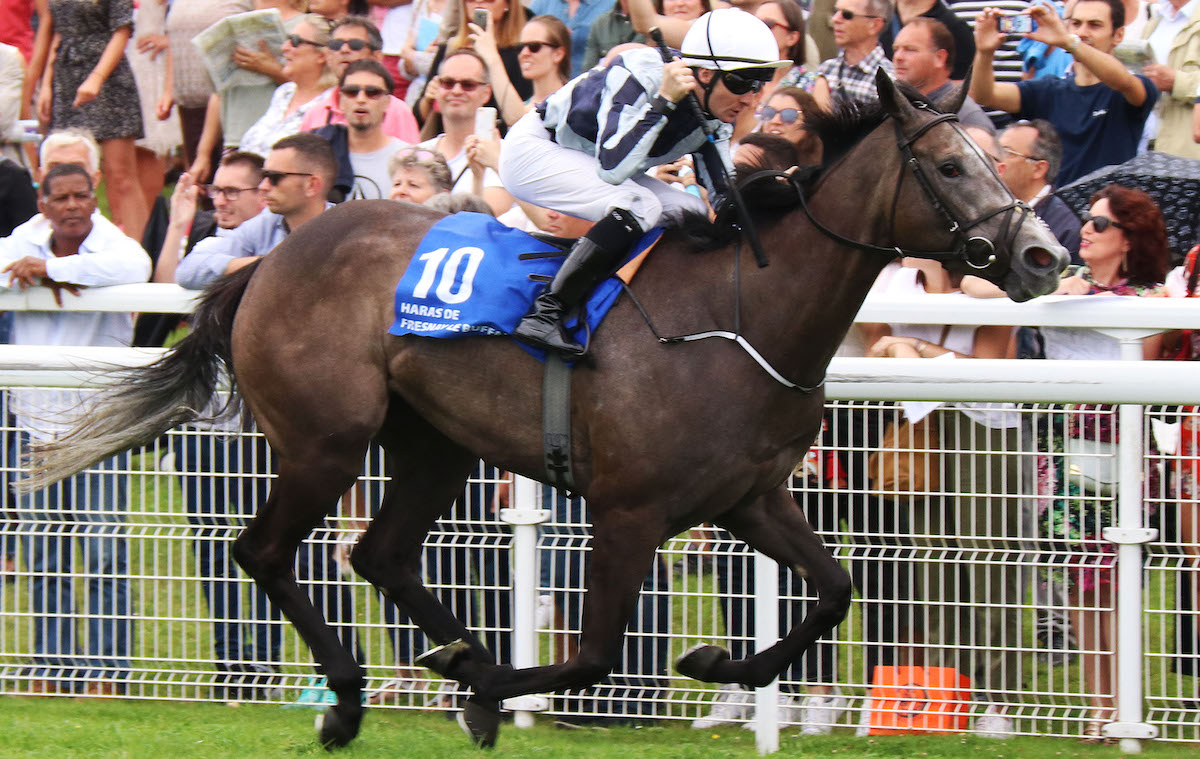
(1173, 182)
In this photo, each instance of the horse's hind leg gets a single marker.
(776, 526)
(303, 494)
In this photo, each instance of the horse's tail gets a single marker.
(147, 401)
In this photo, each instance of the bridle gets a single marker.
(979, 253)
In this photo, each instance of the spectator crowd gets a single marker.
(413, 101)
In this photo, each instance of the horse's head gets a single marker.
(950, 204)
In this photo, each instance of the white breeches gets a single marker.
(538, 170)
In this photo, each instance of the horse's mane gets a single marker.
(766, 196)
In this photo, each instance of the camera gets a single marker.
(1017, 23)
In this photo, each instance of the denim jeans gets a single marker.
(81, 512)
(219, 489)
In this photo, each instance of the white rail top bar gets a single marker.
(1048, 311)
(868, 379)
(147, 298)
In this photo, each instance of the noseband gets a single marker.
(979, 253)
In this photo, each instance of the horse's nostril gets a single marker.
(1039, 258)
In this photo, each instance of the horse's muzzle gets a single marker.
(1035, 270)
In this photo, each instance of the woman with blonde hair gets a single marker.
(544, 57)
(306, 65)
(418, 174)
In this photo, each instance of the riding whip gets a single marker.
(735, 195)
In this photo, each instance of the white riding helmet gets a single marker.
(728, 39)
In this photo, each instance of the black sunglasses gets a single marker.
(740, 85)
(354, 45)
(1100, 223)
(275, 177)
(536, 47)
(297, 41)
(353, 90)
(851, 15)
(786, 115)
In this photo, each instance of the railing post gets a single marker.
(525, 516)
(766, 634)
(1129, 533)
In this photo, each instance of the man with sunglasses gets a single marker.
(297, 175)
(585, 150)
(362, 147)
(850, 76)
(355, 38)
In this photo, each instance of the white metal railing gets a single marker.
(1125, 382)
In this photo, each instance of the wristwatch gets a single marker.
(1073, 43)
(659, 104)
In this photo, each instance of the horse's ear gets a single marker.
(894, 103)
(953, 101)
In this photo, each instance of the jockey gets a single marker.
(585, 150)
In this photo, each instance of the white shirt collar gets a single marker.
(1171, 16)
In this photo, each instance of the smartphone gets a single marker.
(485, 122)
(1017, 23)
(480, 17)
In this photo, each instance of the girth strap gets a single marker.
(556, 423)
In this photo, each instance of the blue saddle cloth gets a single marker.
(467, 278)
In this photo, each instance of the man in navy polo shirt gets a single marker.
(1099, 112)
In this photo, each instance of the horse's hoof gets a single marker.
(332, 730)
(443, 659)
(481, 722)
(699, 661)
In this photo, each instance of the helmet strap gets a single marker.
(707, 87)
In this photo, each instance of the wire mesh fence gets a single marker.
(983, 580)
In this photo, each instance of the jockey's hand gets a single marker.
(678, 81)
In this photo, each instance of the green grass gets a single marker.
(70, 728)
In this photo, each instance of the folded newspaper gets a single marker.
(216, 45)
(1135, 55)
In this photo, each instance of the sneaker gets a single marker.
(545, 612)
(993, 724)
(819, 713)
(864, 721)
(733, 705)
(789, 712)
(314, 696)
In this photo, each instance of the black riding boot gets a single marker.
(592, 259)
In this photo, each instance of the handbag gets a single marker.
(1092, 465)
(907, 460)
(908, 699)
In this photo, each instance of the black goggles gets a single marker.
(740, 85)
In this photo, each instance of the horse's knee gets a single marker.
(835, 597)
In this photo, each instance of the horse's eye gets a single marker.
(949, 169)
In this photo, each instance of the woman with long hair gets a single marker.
(782, 115)
(544, 58)
(1124, 249)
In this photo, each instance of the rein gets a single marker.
(966, 249)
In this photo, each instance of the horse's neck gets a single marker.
(828, 280)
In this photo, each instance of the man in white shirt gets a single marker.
(68, 250)
(363, 92)
(460, 89)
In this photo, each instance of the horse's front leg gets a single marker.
(623, 549)
(775, 525)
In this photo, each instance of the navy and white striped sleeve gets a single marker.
(628, 126)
